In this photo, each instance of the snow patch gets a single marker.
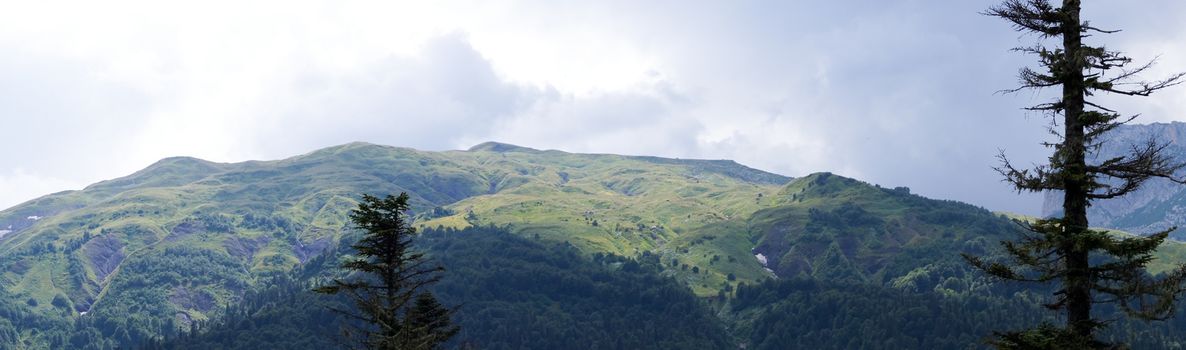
(4, 232)
(762, 259)
(34, 217)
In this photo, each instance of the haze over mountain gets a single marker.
(1159, 205)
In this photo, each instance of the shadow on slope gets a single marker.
(514, 293)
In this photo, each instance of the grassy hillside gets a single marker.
(862, 266)
(176, 243)
(627, 206)
(831, 227)
(108, 250)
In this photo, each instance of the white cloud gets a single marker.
(649, 118)
(894, 92)
(19, 185)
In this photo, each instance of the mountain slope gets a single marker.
(511, 293)
(509, 287)
(834, 228)
(178, 242)
(94, 251)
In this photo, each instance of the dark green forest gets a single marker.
(515, 292)
(511, 293)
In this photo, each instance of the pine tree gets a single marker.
(428, 323)
(1091, 266)
(387, 275)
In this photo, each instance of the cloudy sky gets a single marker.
(899, 93)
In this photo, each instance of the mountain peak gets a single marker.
(829, 185)
(491, 146)
(171, 171)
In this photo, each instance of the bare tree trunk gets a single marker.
(1077, 284)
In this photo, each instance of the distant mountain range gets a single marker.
(1158, 205)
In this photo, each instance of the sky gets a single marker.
(893, 92)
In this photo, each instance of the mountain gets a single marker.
(186, 242)
(895, 284)
(176, 242)
(1158, 205)
(829, 227)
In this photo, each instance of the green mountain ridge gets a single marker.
(180, 241)
(824, 220)
(271, 215)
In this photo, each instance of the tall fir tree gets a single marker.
(387, 281)
(1091, 266)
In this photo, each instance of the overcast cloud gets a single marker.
(899, 93)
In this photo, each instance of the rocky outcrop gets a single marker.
(187, 299)
(104, 254)
(245, 248)
(304, 251)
